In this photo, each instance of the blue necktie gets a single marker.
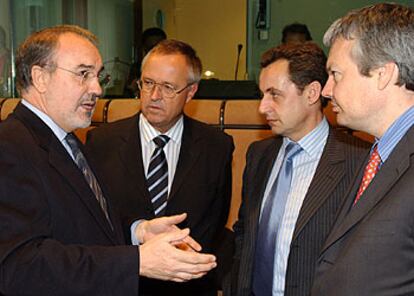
(270, 220)
(157, 177)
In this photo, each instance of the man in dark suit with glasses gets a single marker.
(161, 162)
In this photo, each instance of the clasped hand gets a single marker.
(169, 253)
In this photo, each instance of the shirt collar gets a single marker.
(394, 134)
(57, 130)
(149, 132)
(314, 141)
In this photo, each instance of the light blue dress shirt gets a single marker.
(304, 167)
(394, 134)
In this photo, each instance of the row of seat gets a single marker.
(238, 118)
(224, 114)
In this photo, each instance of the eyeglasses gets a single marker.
(86, 76)
(168, 91)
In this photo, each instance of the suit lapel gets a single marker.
(64, 165)
(130, 153)
(191, 147)
(389, 174)
(330, 169)
(260, 175)
(255, 179)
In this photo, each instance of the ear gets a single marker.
(312, 92)
(191, 93)
(388, 73)
(40, 78)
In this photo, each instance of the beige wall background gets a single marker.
(214, 28)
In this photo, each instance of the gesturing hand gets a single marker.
(146, 230)
(160, 259)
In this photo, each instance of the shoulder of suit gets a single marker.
(261, 145)
(13, 130)
(115, 128)
(346, 138)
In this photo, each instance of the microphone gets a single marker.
(239, 49)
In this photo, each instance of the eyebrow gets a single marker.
(272, 89)
(90, 67)
(85, 66)
(163, 82)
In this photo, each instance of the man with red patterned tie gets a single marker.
(370, 250)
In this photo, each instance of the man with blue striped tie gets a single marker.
(161, 162)
(293, 182)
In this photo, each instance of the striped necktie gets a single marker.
(270, 220)
(157, 177)
(90, 178)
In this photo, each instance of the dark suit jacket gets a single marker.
(54, 237)
(370, 250)
(201, 185)
(340, 160)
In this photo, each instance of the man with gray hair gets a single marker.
(162, 162)
(59, 233)
(370, 250)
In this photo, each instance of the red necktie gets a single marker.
(370, 170)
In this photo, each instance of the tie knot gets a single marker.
(161, 141)
(291, 150)
(71, 140)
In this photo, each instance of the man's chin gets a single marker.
(84, 123)
(342, 121)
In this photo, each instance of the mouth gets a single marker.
(154, 107)
(89, 106)
(271, 120)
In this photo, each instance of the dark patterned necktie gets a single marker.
(270, 221)
(82, 164)
(157, 177)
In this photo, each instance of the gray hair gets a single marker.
(171, 46)
(383, 33)
(39, 49)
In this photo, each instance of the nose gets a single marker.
(95, 87)
(327, 90)
(264, 105)
(156, 92)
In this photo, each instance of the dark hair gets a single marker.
(296, 28)
(307, 63)
(383, 33)
(39, 48)
(153, 32)
(172, 46)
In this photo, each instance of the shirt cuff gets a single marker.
(135, 241)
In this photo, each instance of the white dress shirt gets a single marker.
(171, 150)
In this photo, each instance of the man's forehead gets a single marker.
(78, 49)
(168, 57)
(171, 65)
